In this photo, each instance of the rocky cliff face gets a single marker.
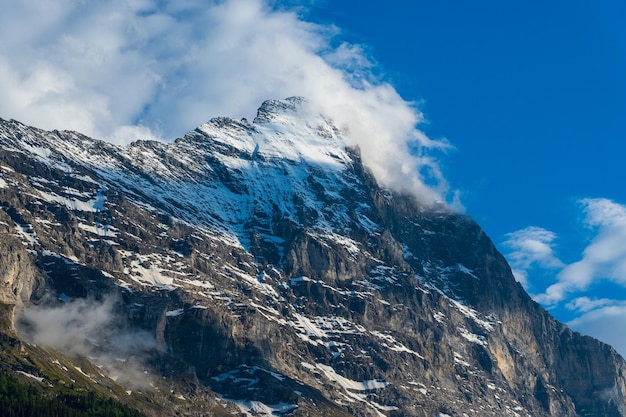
(262, 268)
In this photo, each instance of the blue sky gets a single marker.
(514, 111)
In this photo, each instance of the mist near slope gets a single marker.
(122, 70)
(91, 329)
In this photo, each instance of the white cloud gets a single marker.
(123, 69)
(604, 321)
(528, 248)
(603, 259)
(586, 304)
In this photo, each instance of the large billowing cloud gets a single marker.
(602, 260)
(127, 69)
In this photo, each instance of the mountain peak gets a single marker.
(283, 130)
(267, 266)
(272, 108)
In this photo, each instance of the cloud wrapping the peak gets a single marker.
(128, 69)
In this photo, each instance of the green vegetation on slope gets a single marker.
(21, 400)
(62, 398)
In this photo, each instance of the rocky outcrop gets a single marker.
(20, 278)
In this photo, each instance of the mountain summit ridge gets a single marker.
(266, 271)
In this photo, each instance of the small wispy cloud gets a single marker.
(528, 248)
(586, 304)
(128, 69)
(603, 319)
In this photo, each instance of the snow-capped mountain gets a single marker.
(257, 268)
